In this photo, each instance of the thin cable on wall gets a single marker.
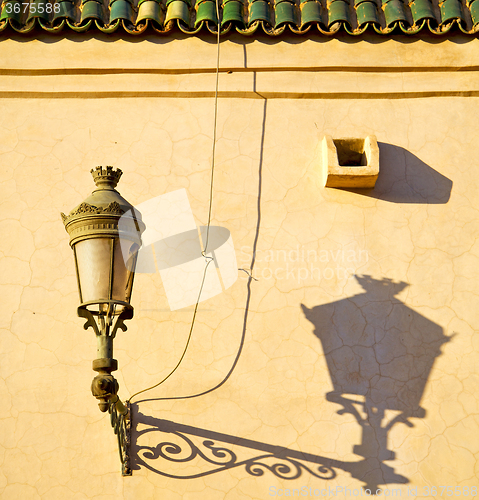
(248, 296)
(207, 258)
(214, 126)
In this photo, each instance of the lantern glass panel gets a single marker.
(123, 274)
(93, 261)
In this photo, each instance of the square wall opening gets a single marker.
(351, 152)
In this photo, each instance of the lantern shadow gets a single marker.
(379, 353)
(179, 451)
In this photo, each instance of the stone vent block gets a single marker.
(350, 162)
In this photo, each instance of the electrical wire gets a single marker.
(214, 124)
(187, 342)
(203, 253)
(248, 295)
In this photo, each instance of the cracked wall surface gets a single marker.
(349, 361)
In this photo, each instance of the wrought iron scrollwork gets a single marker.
(288, 468)
(121, 424)
(220, 458)
(214, 452)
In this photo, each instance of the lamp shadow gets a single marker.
(379, 355)
(180, 451)
(405, 178)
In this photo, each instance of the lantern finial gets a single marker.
(106, 177)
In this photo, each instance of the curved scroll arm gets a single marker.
(83, 312)
(216, 457)
(126, 313)
(121, 423)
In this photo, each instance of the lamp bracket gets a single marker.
(121, 423)
(83, 312)
(126, 313)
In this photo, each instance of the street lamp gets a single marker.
(105, 235)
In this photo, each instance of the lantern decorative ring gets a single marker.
(105, 235)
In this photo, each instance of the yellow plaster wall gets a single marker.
(287, 332)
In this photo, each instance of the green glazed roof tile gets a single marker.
(259, 10)
(451, 9)
(233, 12)
(366, 12)
(247, 17)
(12, 10)
(311, 12)
(91, 9)
(422, 9)
(149, 10)
(120, 9)
(474, 6)
(177, 9)
(338, 10)
(284, 13)
(65, 10)
(38, 9)
(206, 11)
(394, 12)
